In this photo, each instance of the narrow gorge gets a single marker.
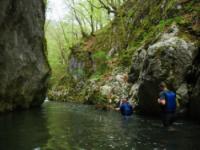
(86, 74)
(145, 44)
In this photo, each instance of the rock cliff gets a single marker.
(23, 65)
(166, 60)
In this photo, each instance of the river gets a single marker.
(65, 126)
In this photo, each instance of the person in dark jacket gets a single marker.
(167, 101)
(126, 108)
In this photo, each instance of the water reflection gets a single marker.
(82, 127)
(23, 130)
(61, 126)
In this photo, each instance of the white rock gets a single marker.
(120, 78)
(105, 90)
(134, 89)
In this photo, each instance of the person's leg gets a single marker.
(166, 119)
(172, 117)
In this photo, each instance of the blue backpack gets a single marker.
(170, 98)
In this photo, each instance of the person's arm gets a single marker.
(161, 99)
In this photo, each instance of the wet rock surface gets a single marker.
(23, 65)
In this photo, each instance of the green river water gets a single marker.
(64, 126)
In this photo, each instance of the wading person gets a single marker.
(126, 108)
(167, 101)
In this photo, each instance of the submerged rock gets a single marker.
(23, 63)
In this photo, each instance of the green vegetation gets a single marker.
(96, 46)
(57, 52)
(101, 58)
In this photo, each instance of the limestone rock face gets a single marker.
(166, 60)
(23, 65)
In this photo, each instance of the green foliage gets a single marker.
(136, 24)
(45, 2)
(101, 58)
(87, 14)
(125, 58)
(97, 98)
(95, 77)
(164, 23)
(80, 72)
(57, 51)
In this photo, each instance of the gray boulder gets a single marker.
(166, 60)
(182, 94)
(23, 65)
(137, 66)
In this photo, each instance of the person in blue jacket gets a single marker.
(167, 101)
(126, 108)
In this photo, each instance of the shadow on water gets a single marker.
(64, 126)
(23, 130)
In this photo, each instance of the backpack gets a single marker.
(170, 98)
